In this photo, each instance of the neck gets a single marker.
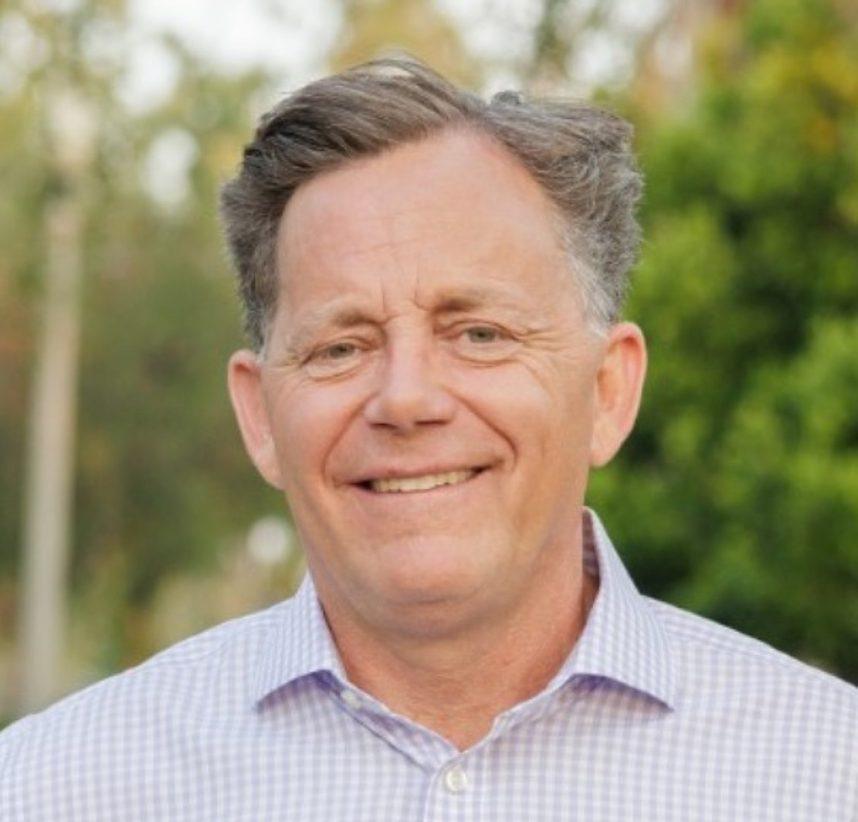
(458, 683)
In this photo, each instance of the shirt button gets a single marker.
(351, 699)
(455, 779)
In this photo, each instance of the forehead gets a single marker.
(453, 212)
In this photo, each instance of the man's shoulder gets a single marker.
(720, 663)
(208, 671)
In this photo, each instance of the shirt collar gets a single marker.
(299, 645)
(622, 641)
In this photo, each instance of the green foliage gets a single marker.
(162, 482)
(738, 494)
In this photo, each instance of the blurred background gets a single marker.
(129, 514)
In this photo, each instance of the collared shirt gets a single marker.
(657, 714)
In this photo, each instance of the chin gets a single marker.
(426, 585)
(433, 579)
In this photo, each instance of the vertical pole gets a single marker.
(47, 516)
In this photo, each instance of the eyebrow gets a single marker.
(471, 297)
(341, 312)
(338, 314)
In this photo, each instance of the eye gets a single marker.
(484, 343)
(333, 359)
(337, 351)
(482, 334)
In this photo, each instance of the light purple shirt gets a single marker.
(657, 714)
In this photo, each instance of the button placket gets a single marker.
(455, 779)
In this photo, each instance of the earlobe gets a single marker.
(245, 391)
(619, 384)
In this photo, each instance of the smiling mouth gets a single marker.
(426, 482)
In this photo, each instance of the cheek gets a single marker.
(547, 423)
(533, 411)
(307, 422)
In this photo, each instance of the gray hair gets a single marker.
(580, 155)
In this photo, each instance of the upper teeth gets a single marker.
(423, 483)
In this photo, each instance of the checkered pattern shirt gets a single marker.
(657, 714)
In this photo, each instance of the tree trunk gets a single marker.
(47, 519)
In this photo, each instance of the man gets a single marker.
(432, 288)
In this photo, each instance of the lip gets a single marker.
(366, 478)
(365, 492)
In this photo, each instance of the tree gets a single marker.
(737, 495)
(161, 483)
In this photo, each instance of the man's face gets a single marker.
(428, 395)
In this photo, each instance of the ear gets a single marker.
(244, 378)
(619, 383)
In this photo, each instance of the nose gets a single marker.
(410, 391)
